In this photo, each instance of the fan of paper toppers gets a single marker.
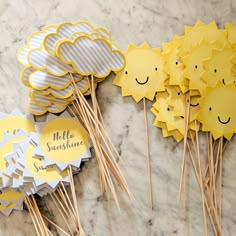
(192, 79)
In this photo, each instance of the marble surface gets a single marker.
(131, 21)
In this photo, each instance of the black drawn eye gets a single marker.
(168, 109)
(126, 72)
(209, 108)
(215, 70)
(176, 63)
(156, 69)
(178, 93)
(195, 66)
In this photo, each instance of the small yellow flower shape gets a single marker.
(143, 74)
(217, 113)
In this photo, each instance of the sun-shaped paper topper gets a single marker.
(143, 74)
(217, 113)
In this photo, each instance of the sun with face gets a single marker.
(143, 74)
(219, 67)
(217, 113)
(174, 65)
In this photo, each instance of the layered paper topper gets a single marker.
(58, 53)
(200, 68)
(35, 162)
(143, 74)
(61, 142)
(217, 113)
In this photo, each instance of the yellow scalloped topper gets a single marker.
(219, 67)
(143, 74)
(194, 65)
(217, 113)
(166, 114)
(231, 33)
(174, 65)
(202, 32)
(179, 101)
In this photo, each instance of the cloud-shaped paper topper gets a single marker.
(91, 57)
(34, 41)
(66, 30)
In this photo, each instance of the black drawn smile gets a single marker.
(142, 83)
(194, 105)
(223, 122)
(223, 81)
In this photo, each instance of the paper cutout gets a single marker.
(66, 30)
(217, 114)
(82, 85)
(35, 109)
(202, 32)
(219, 67)
(32, 168)
(194, 65)
(34, 41)
(90, 56)
(41, 60)
(143, 74)
(41, 80)
(174, 65)
(14, 121)
(62, 141)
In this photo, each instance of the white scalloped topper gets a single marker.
(14, 121)
(34, 41)
(62, 141)
(43, 179)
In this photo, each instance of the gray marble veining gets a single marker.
(131, 21)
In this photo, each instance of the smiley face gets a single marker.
(143, 74)
(220, 67)
(217, 113)
(174, 65)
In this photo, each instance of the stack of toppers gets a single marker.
(63, 65)
(193, 79)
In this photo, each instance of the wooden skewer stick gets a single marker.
(63, 214)
(148, 154)
(186, 121)
(87, 110)
(201, 179)
(198, 180)
(221, 181)
(33, 217)
(55, 225)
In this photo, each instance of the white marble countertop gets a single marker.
(131, 21)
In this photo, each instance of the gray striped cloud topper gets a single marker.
(91, 57)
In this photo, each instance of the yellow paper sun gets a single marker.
(143, 74)
(202, 32)
(217, 113)
(174, 66)
(179, 101)
(219, 67)
(194, 63)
